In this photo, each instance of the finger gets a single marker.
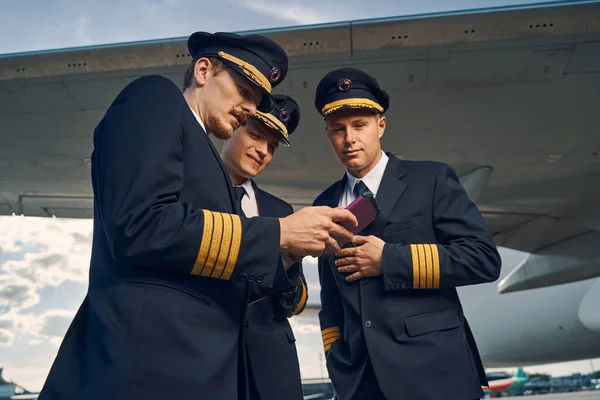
(340, 232)
(360, 240)
(345, 261)
(354, 277)
(348, 252)
(348, 269)
(343, 215)
(334, 246)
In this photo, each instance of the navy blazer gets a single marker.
(408, 322)
(270, 340)
(171, 261)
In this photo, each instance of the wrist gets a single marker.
(293, 257)
(283, 237)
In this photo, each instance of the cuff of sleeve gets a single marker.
(415, 266)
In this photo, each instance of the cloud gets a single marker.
(6, 337)
(37, 253)
(15, 295)
(40, 252)
(81, 28)
(49, 326)
(55, 323)
(294, 12)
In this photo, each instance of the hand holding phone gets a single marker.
(366, 209)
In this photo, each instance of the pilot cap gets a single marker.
(349, 88)
(255, 57)
(283, 118)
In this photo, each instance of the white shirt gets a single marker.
(249, 204)
(372, 180)
(198, 119)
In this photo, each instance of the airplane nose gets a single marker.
(589, 315)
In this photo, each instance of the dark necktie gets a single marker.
(360, 188)
(240, 191)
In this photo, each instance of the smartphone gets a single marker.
(366, 209)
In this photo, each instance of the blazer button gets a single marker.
(393, 286)
(251, 278)
(364, 281)
(246, 324)
(398, 285)
(367, 324)
(259, 278)
(243, 277)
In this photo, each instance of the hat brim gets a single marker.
(357, 104)
(270, 122)
(267, 102)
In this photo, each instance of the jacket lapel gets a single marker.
(388, 194)
(262, 202)
(334, 200)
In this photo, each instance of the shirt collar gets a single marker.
(373, 178)
(198, 119)
(249, 189)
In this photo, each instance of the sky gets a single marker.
(28, 25)
(44, 262)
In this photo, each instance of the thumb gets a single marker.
(359, 240)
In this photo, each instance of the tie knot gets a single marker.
(240, 191)
(360, 188)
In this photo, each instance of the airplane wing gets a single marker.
(508, 97)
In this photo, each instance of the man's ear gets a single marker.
(382, 124)
(201, 69)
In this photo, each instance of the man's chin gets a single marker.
(249, 173)
(222, 132)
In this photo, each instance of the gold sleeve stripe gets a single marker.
(330, 335)
(256, 301)
(220, 246)
(426, 266)
(302, 301)
(429, 263)
(327, 344)
(215, 245)
(415, 262)
(225, 246)
(205, 244)
(329, 330)
(330, 340)
(436, 267)
(422, 267)
(236, 242)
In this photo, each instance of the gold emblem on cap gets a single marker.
(284, 115)
(275, 74)
(344, 85)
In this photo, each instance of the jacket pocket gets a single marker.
(172, 287)
(436, 321)
(395, 227)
